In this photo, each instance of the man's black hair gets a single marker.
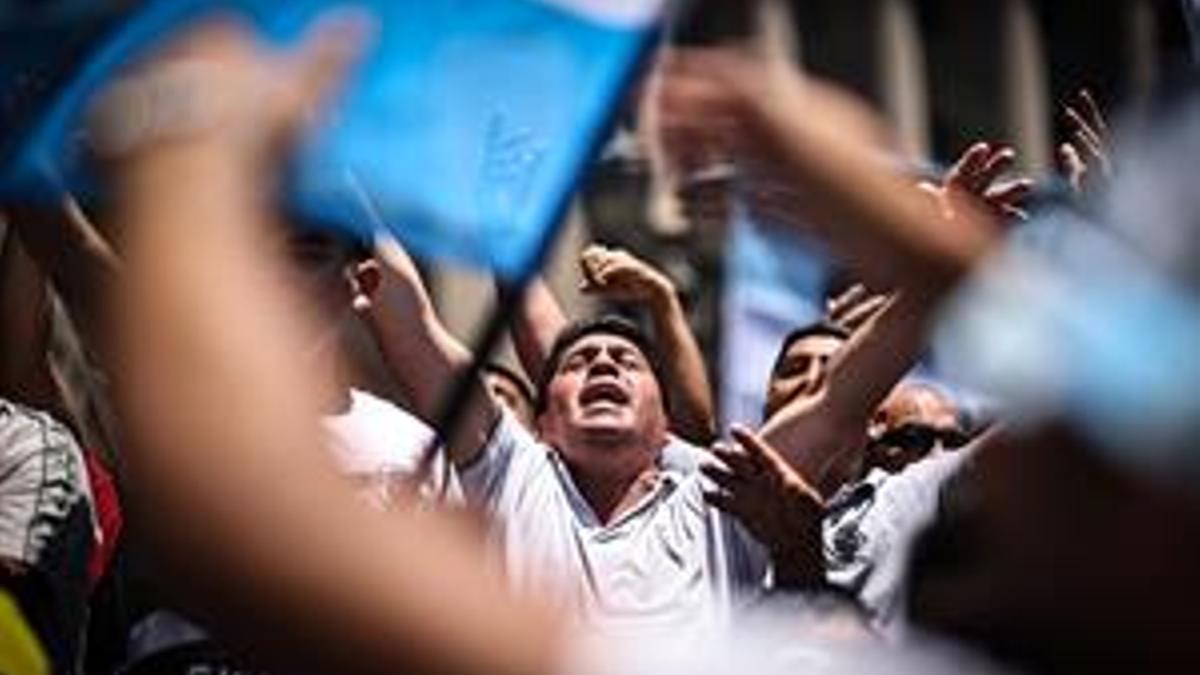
(820, 328)
(608, 324)
(503, 371)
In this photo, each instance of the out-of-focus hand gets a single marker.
(775, 504)
(618, 275)
(976, 176)
(720, 105)
(219, 89)
(855, 308)
(1085, 159)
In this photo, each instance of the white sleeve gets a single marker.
(510, 455)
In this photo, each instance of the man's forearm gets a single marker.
(815, 433)
(878, 357)
(218, 408)
(540, 319)
(866, 211)
(425, 358)
(693, 414)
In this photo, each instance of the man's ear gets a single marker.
(365, 278)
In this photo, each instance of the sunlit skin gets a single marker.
(909, 404)
(799, 370)
(605, 415)
(329, 280)
(512, 398)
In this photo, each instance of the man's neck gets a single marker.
(611, 494)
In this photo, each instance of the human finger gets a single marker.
(755, 447)
(1082, 132)
(736, 460)
(1071, 165)
(1010, 192)
(847, 298)
(726, 502)
(325, 56)
(1091, 111)
(969, 163)
(858, 315)
(1013, 213)
(1000, 160)
(724, 478)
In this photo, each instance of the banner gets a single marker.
(465, 131)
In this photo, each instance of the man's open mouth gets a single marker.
(603, 391)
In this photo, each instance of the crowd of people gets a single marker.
(589, 514)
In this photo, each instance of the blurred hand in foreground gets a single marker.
(828, 155)
(855, 308)
(1085, 159)
(976, 176)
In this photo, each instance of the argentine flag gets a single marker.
(464, 132)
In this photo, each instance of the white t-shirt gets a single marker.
(378, 446)
(671, 562)
(872, 526)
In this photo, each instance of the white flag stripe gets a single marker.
(622, 13)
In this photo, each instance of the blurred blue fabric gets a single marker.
(464, 133)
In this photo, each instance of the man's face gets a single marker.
(799, 371)
(604, 395)
(913, 422)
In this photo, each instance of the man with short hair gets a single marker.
(608, 508)
(802, 357)
(604, 509)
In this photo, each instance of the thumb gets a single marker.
(321, 64)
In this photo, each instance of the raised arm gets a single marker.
(814, 433)
(421, 352)
(823, 145)
(217, 407)
(540, 318)
(620, 276)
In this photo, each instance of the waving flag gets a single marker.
(465, 131)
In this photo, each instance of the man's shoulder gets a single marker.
(681, 457)
(24, 430)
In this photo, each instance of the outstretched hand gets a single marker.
(855, 308)
(217, 84)
(1085, 159)
(976, 176)
(774, 502)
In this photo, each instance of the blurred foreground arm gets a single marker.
(826, 148)
(230, 478)
(786, 129)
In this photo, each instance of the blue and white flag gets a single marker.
(465, 131)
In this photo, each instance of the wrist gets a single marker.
(663, 298)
